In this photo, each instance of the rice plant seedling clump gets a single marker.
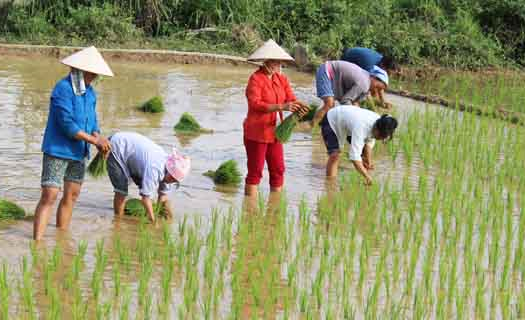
(135, 208)
(284, 130)
(311, 113)
(153, 105)
(374, 105)
(10, 210)
(98, 166)
(227, 173)
(188, 125)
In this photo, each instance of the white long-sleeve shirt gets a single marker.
(349, 120)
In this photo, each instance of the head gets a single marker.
(89, 77)
(272, 66)
(384, 127)
(378, 80)
(388, 63)
(177, 167)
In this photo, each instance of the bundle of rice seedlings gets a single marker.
(153, 105)
(284, 130)
(98, 166)
(188, 125)
(135, 208)
(10, 210)
(311, 113)
(374, 105)
(227, 173)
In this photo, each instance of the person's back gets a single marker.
(363, 57)
(350, 82)
(352, 121)
(137, 154)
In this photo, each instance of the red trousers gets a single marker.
(257, 153)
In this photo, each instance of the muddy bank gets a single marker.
(133, 55)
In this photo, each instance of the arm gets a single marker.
(328, 103)
(367, 157)
(358, 165)
(256, 102)
(163, 200)
(148, 205)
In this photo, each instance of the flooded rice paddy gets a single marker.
(439, 235)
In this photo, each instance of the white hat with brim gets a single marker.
(90, 60)
(270, 50)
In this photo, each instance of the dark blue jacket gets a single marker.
(363, 57)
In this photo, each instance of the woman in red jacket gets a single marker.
(268, 93)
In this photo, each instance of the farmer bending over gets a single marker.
(71, 127)
(136, 158)
(347, 83)
(368, 58)
(360, 127)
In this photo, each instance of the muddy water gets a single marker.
(213, 94)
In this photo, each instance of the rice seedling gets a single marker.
(135, 208)
(10, 211)
(227, 173)
(309, 116)
(5, 292)
(25, 288)
(188, 125)
(153, 105)
(283, 132)
(98, 166)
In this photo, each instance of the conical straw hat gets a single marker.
(270, 51)
(90, 60)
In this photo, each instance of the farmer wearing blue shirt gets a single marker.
(367, 59)
(72, 127)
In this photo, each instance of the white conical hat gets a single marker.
(90, 60)
(270, 51)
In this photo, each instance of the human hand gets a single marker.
(368, 181)
(103, 145)
(368, 165)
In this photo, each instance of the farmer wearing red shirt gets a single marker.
(268, 93)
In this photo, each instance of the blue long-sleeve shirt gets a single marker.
(363, 57)
(68, 115)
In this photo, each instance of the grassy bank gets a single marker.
(454, 33)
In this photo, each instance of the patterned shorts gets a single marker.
(56, 170)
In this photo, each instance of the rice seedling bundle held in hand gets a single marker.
(284, 130)
(311, 113)
(188, 125)
(153, 105)
(227, 173)
(10, 210)
(98, 166)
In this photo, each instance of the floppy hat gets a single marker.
(380, 74)
(90, 60)
(178, 165)
(270, 50)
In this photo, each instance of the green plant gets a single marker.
(98, 167)
(9, 210)
(153, 105)
(134, 207)
(227, 173)
(188, 125)
(283, 132)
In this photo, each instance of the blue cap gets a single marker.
(380, 74)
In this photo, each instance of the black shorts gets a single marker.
(329, 137)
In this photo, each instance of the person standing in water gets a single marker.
(268, 94)
(72, 126)
(346, 83)
(136, 158)
(360, 127)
